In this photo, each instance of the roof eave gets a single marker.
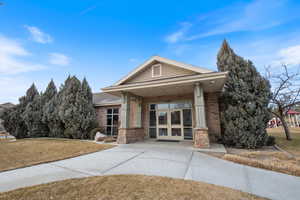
(194, 78)
(163, 60)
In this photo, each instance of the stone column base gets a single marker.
(201, 139)
(130, 135)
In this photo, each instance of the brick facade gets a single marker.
(201, 138)
(133, 133)
(101, 112)
(130, 135)
(212, 115)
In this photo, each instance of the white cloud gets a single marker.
(178, 35)
(289, 56)
(38, 35)
(11, 53)
(133, 60)
(254, 16)
(89, 9)
(59, 59)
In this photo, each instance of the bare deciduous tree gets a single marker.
(285, 92)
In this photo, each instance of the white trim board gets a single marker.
(162, 60)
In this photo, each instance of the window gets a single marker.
(112, 119)
(187, 124)
(156, 70)
(152, 121)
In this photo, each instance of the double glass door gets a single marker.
(169, 124)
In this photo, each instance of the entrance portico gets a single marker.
(182, 107)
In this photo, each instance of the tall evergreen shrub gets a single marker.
(244, 101)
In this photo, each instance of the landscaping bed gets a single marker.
(126, 187)
(285, 159)
(27, 152)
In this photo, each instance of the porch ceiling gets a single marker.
(212, 82)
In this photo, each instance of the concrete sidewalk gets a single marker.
(160, 159)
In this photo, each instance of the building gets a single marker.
(293, 118)
(163, 99)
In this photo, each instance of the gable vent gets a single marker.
(156, 70)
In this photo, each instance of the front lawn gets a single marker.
(27, 152)
(126, 187)
(292, 146)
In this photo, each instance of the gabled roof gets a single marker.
(105, 99)
(7, 105)
(162, 60)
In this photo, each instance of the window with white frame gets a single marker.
(156, 70)
(112, 118)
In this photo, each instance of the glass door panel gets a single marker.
(176, 131)
(176, 117)
(187, 117)
(162, 131)
(187, 124)
(163, 118)
(162, 124)
(172, 123)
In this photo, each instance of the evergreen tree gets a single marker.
(49, 93)
(87, 92)
(14, 118)
(9, 118)
(244, 101)
(50, 111)
(86, 109)
(20, 129)
(31, 93)
(33, 114)
(76, 109)
(67, 113)
(68, 109)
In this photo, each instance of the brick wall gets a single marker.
(101, 114)
(212, 114)
(211, 109)
(130, 135)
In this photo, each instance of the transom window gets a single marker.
(112, 119)
(156, 70)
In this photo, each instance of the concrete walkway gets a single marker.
(161, 159)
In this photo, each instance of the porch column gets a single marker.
(127, 133)
(201, 138)
(125, 110)
(199, 106)
(138, 122)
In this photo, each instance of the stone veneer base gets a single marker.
(201, 138)
(130, 135)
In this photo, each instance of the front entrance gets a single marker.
(169, 125)
(171, 121)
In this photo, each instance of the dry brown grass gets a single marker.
(126, 187)
(275, 161)
(292, 146)
(27, 152)
(288, 163)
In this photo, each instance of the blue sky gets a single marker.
(104, 40)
